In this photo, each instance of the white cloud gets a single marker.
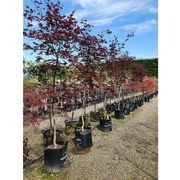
(143, 27)
(103, 21)
(91, 3)
(105, 11)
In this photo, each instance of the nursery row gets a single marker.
(68, 97)
(55, 159)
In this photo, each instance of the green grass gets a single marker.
(37, 173)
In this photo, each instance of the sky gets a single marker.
(121, 17)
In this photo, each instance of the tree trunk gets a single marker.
(119, 93)
(54, 137)
(83, 111)
(52, 114)
(95, 107)
(73, 110)
(143, 95)
(50, 120)
(123, 98)
(105, 102)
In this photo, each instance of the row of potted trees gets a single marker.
(80, 130)
(94, 65)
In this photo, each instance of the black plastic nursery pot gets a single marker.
(110, 108)
(55, 158)
(146, 99)
(151, 95)
(126, 111)
(119, 113)
(48, 136)
(83, 139)
(156, 93)
(131, 107)
(135, 105)
(105, 124)
(126, 101)
(140, 102)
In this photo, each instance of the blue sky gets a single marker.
(121, 17)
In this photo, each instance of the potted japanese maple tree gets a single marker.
(119, 70)
(91, 53)
(51, 36)
(105, 123)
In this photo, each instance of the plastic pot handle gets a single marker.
(64, 156)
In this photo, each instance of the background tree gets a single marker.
(91, 53)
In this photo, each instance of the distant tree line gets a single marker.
(150, 65)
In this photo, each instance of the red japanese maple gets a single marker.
(122, 68)
(148, 85)
(92, 53)
(53, 39)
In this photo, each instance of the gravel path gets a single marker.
(129, 152)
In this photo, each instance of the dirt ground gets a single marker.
(128, 152)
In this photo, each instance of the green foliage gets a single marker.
(33, 72)
(150, 65)
(30, 81)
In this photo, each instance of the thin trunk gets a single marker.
(73, 115)
(45, 104)
(73, 110)
(54, 122)
(50, 120)
(119, 93)
(95, 107)
(45, 108)
(105, 102)
(54, 137)
(82, 128)
(123, 98)
(83, 111)
(131, 94)
(143, 95)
